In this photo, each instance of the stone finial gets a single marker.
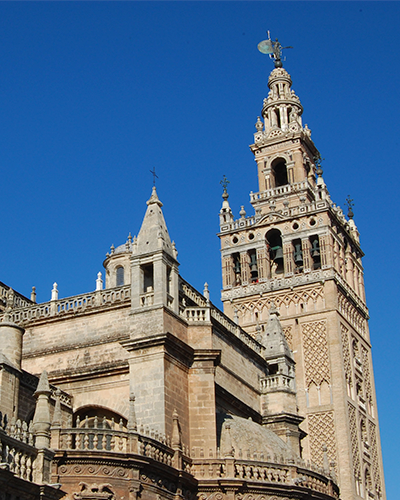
(229, 450)
(54, 292)
(206, 292)
(41, 418)
(33, 294)
(57, 416)
(132, 423)
(176, 439)
(242, 212)
(99, 282)
(259, 124)
(175, 251)
(112, 249)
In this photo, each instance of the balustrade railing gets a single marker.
(263, 472)
(101, 438)
(71, 305)
(276, 381)
(17, 451)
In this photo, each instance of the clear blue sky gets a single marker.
(94, 95)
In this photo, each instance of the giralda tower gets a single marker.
(302, 255)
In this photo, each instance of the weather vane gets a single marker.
(274, 49)
(224, 182)
(349, 204)
(154, 175)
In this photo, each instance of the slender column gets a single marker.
(307, 260)
(244, 260)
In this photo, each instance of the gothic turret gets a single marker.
(153, 263)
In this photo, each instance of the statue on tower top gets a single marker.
(274, 49)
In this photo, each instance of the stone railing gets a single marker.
(232, 327)
(100, 437)
(72, 305)
(196, 314)
(147, 299)
(277, 381)
(264, 472)
(281, 190)
(17, 451)
(192, 294)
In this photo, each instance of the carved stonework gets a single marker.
(94, 491)
(346, 354)
(316, 356)
(321, 429)
(287, 331)
(92, 470)
(355, 449)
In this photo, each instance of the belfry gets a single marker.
(299, 254)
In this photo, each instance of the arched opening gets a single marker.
(253, 266)
(120, 276)
(96, 426)
(315, 252)
(237, 268)
(274, 243)
(279, 172)
(298, 255)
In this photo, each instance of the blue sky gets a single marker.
(94, 95)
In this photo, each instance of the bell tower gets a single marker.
(300, 254)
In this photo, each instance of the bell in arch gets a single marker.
(298, 254)
(278, 253)
(315, 249)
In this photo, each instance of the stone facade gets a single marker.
(145, 390)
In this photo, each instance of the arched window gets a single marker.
(315, 252)
(120, 276)
(274, 242)
(279, 172)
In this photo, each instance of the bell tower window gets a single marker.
(279, 172)
(253, 266)
(298, 255)
(274, 241)
(237, 268)
(315, 252)
(120, 276)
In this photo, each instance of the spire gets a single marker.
(153, 234)
(274, 339)
(225, 214)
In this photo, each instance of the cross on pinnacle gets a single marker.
(224, 184)
(154, 175)
(349, 204)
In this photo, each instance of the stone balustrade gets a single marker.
(72, 305)
(263, 472)
(196, 314)
(281, 190)
(17, 452)
(277, 381)
(99, 437)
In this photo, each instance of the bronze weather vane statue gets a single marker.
(274, 49)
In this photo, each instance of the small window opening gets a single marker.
(148, 278)
(274, 242)
(273, 369)
(315, 252)
(237, 268)
(298, 255)
(279, 172)
(253, 266)
(169, 280)
(120, 279)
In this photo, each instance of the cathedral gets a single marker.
(144, 390)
